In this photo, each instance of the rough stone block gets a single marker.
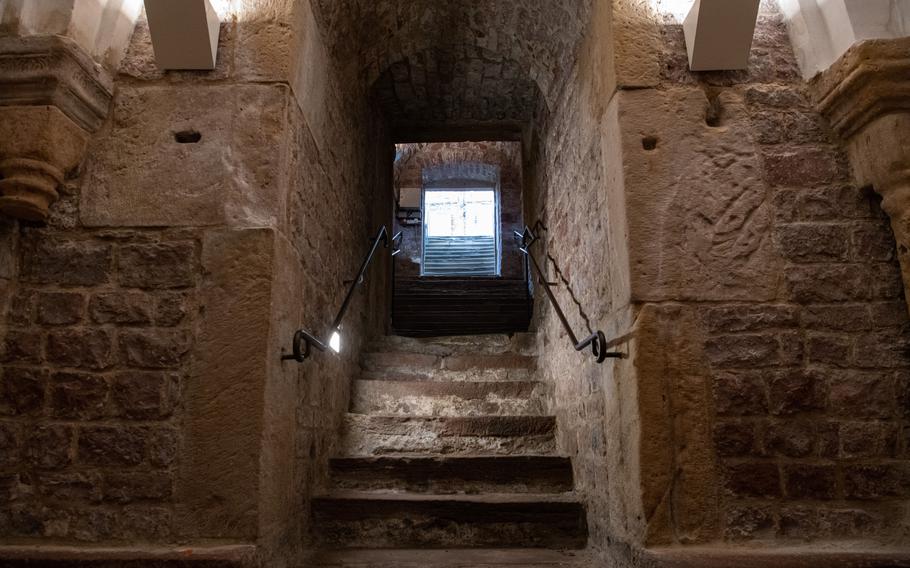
(21, 347)
(171, 309)
(794, 391)
(746, 523)
(734, 439)
(803, 242)
(731, 319)
(48, 446)
(120, 308)
(868, 440)
(159, 349)
(738, 351)
(159, 265)
(798, 522)
(781, 127)
(882, 350)
(70, 486)
(78, 396)
(825, 283)
(873, 243)
(162, 446)
(140, 395)
(60, 308)
(752, 479)
(233, 174)
(805, 167)
(112, 446)
(22, 308)
(740, 394)
(10, 444)
(817, 482)
(65, 263)
(88, 349)
(836, 350)
(837, 317)
(852, 394)
(877, 481)
(127, 487)
(21, 391)
(790, 439)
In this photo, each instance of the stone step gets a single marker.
(396, 520)
(517, 343)
(452, 367)
(447, 398)
(447, 475)
(454, 558)
(366, 435)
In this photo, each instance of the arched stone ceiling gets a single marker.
(444, 61)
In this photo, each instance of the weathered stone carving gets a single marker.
(52, 95)
(866, 96)
(53, 70)
(38, 145)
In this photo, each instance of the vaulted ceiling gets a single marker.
(444, 62)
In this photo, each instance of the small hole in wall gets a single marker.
(714, 113)
(649, 143)
(187, 137)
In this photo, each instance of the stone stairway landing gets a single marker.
(448, 446)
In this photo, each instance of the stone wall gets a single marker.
(408, 172)
(144, 402)
(97, 335)
(712, 218)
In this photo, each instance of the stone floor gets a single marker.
(449, 460)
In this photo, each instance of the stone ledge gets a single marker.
(864, 555)
(54, 71)
(868, 81)
(225, 556)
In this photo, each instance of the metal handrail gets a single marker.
(303, 339)
(597, 340)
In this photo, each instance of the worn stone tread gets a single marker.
(446, 475)
(830, 555)
(447, 435)
(447, 398)
(454, 558)
(446, 367)
(205, 556)
(522, 343)
(373, 519)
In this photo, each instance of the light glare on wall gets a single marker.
(335, 342)
(676, 9)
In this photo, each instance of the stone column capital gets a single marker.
(866, 97)
(871, 80)
(52, 97)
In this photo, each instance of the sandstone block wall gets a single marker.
(142, 399)
(763, 397)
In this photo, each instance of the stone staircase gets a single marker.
(449, 460)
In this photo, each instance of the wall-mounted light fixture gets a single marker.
(184, 33)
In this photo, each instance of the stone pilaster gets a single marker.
(52, 97)
(866, 97)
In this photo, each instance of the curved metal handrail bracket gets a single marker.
(304, 341)
(597, 341)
